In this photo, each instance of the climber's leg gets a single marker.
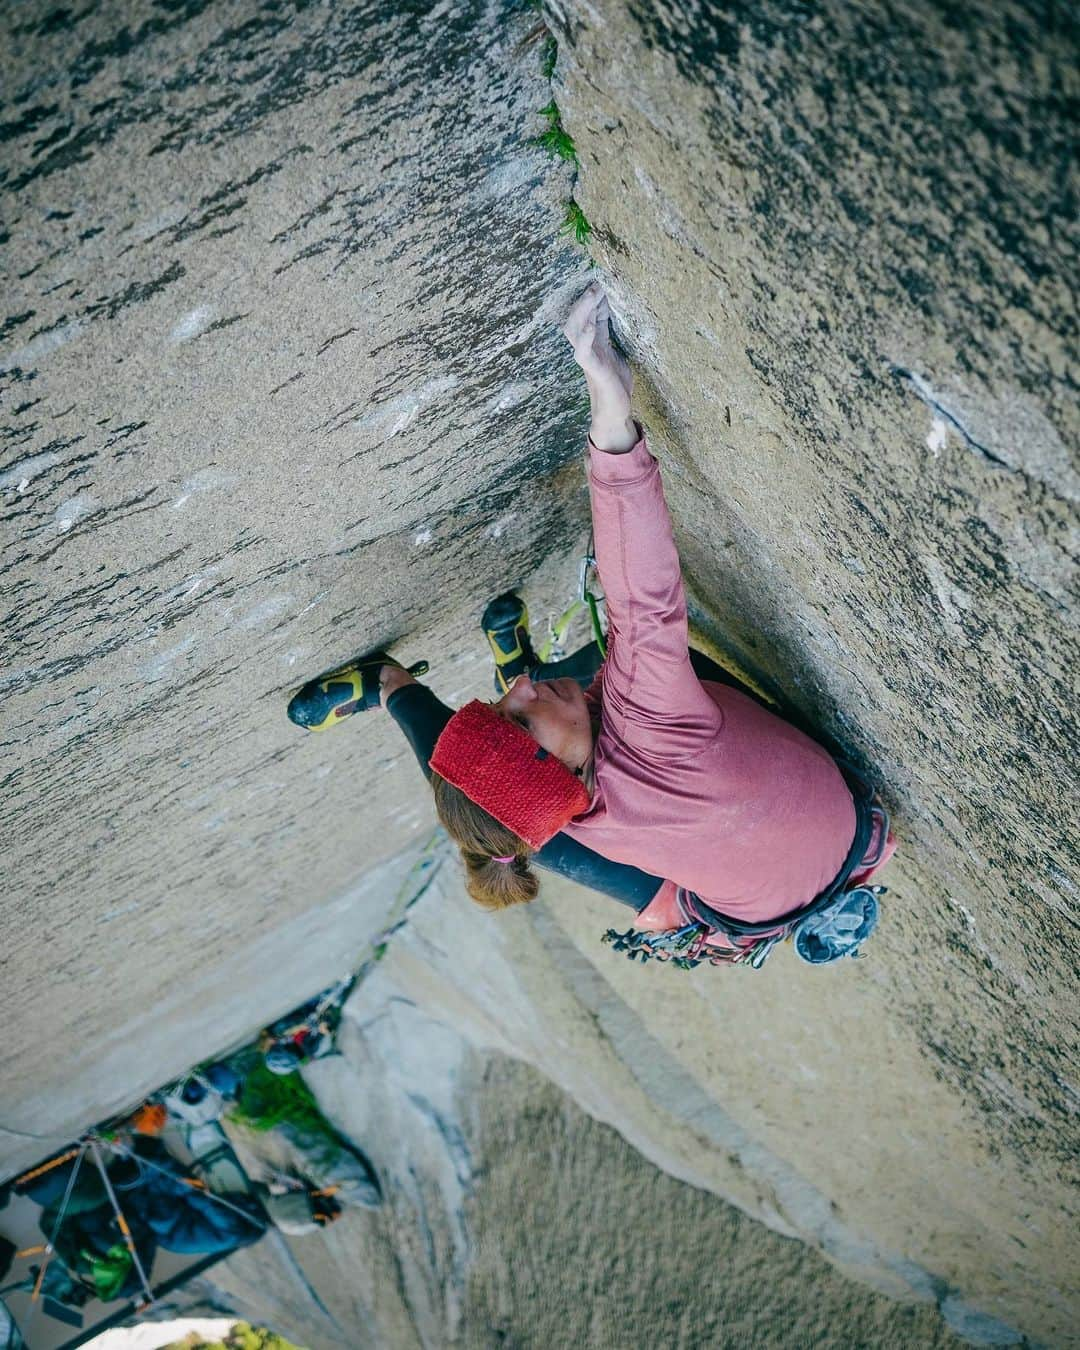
(583, 665)
(421, 717)
(505, 623)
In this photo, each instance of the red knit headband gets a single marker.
(499, 766)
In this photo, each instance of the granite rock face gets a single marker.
(277, 389)
(281, 380)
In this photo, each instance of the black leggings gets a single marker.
(422, 716)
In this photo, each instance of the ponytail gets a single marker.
(482, 839)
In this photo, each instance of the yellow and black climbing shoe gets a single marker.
(354, 688)
(506, 626)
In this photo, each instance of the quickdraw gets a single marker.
(554, 648)
(689, 947)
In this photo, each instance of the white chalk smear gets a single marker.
(26, 358)
(158, 666)
(498, 528)
(75, 509)
(111, 914)
(510, 396)
(422, 537)
(506, 179)
(952, 600)
(20, 475)
(938, 437)
(191, 325)
(267, 610)
(202, 480)
(192, 582)
(396, 414)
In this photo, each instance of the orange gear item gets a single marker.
(150, 1118)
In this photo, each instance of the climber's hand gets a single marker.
(609, 377)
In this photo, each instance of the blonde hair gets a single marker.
(482, 839)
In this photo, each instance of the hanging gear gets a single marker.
(283, 1057)
(587, 598)
(833, 925)
(301, 1038)
(325, 701)
(121, 1221)
(87, 1243)
(194, 1101)
(553, 649)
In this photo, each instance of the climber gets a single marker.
(663, 784)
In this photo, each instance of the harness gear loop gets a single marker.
(834, 924)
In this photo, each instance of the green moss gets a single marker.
(556, 140)
(548, 56)
(575, 221)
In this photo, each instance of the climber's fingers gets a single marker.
(603, 314)
(580, 325)
(586, 329)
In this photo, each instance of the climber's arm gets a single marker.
(651, 695)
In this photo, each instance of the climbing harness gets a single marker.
(833, 925)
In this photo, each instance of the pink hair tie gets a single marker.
(509, 858)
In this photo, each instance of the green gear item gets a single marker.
(108, 1272)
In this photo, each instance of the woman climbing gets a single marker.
(663, 784)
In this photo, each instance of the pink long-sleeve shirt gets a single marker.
(693, 780)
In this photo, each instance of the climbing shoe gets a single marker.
(506, 626)
(324, 702)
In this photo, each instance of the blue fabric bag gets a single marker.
(840, 929)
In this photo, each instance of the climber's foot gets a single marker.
(506, 626)
(353, 688)
(394, 677)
